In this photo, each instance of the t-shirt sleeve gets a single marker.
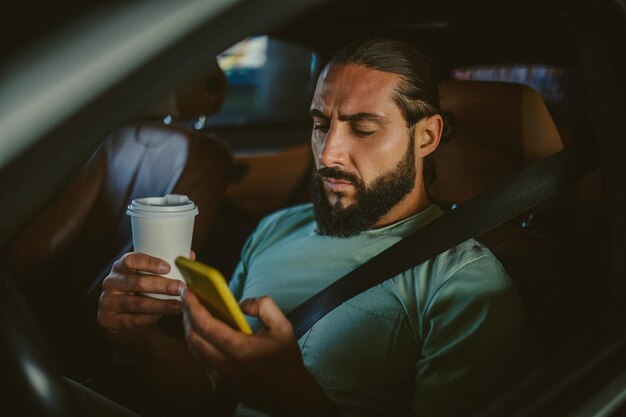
(474, 339)
(238, 280)
(248, 251)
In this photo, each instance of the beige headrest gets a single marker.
(501, 128)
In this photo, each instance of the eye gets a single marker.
(362, 133)
(322, 127)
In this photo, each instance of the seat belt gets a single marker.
(512, 197)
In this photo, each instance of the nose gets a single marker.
(333, 149)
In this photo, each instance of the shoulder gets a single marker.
(468, 256)
(468, 271)
(287, 219)
(279, 225)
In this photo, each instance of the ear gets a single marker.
(428, 134)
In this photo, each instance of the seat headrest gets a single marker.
(200, 96)
(500, 129)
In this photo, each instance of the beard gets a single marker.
(371, 202)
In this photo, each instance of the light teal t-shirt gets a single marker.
(432, 341)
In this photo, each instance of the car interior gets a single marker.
(86, 228)
(521, 81)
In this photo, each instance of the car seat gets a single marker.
(66, 250)
(501, 128)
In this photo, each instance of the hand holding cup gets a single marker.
(121, 310)
(162, 229)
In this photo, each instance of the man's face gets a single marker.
(364, 153)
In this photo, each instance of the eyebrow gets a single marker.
(317, 113)
(369, 117)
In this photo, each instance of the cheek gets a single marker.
(381, 156)
(317, 146)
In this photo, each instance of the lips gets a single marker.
(336, 185)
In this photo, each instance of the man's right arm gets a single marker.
(129, 320)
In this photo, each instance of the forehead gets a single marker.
(350, 89)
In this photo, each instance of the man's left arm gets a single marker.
(266, 368)
(475, 341)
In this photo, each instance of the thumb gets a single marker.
(266, 310)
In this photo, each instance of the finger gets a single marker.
(131, 283)
(214, 362)
(218, 365)
(140, 304)
(268, 313)
(192, 255)
(215, 331)
(204, 352)
(135, 261)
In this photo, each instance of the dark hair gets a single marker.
(416, 94)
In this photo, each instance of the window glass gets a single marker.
(269, 81)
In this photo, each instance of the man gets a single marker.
(433, 341)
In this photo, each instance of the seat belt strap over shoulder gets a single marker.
(517, 194)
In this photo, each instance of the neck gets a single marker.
(414, 202)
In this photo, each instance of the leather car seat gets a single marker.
(64, 252)
(501, 128)
(88, 220)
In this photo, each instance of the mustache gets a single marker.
(338, 174)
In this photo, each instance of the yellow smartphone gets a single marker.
(209, 285)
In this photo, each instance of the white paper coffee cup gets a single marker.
(163, 227)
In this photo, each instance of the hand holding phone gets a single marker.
(209, 285)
